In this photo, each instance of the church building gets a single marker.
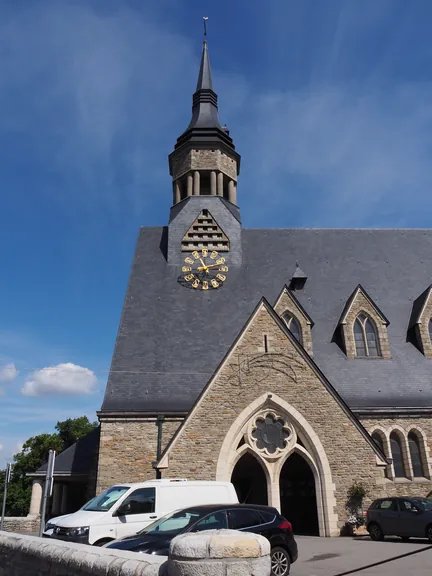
(293, 362)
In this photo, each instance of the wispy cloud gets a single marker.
(342, 156)
(86, 81)
(8, 372)
(63, 379)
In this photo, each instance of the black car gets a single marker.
(156, 538)
(405, 517)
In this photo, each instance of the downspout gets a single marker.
(159, 423)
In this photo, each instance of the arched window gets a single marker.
(378, 439)
(415, 452)
(430, 328)
(293, 326)
(365, 336)
(396, 448)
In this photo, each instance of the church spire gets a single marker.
(204, 103)
(194, 171)
(205, 81)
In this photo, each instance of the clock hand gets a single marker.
(209, 266)
(204, 266)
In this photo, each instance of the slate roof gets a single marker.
(171, 339)
(78, 458)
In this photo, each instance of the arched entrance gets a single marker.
(249, 480)
(298, 495)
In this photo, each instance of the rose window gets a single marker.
(270, 433)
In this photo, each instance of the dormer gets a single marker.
(363, 327)
(420, 325)
(295, 317)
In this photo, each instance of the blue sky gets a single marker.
(329, 104)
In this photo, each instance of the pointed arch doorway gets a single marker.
(249, 480)
(298, 495)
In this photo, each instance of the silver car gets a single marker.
(404, 517)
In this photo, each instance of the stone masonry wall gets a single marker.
(361, 304)
(184, 161)
(21, 524)
(403, 425)
(350, 455)
(128, 447)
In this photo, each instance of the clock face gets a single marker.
(204, 270)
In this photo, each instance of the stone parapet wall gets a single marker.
(214, 553)
(219, 553)
(21, 524)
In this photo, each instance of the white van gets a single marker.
(124, 509)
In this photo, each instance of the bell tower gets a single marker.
(204, 161)
(204, 167)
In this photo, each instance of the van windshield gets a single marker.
(173, 523)
(106, 500)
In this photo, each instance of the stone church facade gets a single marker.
(291, 362)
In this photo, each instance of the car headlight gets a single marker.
(80, 531)
(49, 526)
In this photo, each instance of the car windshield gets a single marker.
(424, 503)
(173, 523)
(106, 500)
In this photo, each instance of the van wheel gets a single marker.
(280, 562)
(103, 541)
(429, 532)
(375, 531)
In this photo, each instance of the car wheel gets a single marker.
(103, 541)
(375, 531)
(280, 562)
(429, 532)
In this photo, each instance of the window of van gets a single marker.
(106, 500)
(140, 501)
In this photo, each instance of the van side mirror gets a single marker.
(123, 509)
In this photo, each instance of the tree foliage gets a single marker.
(33, 455)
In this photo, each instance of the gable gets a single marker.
(246, 372)
(361, 297)
(287, 301)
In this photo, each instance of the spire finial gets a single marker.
(205, 18)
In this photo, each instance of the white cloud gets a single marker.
(1, 446)
(63, 379)
(345, 155)
(8, 372)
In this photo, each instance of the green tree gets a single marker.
(33, 455)
(72, 429)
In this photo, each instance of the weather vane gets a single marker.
(205, 18)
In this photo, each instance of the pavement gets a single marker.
(362, 556)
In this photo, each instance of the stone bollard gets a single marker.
(219, 553)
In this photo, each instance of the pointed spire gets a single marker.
(204, 103)
(205, 78)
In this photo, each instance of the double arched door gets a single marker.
(298, 499)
